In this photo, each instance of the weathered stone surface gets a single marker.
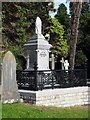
(58, 97)
(9, 84)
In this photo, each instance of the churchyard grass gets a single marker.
(25, 110)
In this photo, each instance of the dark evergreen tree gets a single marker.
(83, 43)
(19, 25)
(56, 32)
(19, 18)
(64, 19)
(18, 22)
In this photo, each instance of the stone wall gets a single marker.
(58, 97)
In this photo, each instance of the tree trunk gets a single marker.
(75, 16)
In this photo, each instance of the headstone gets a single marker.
(37, 49)
(66, 65)
(52, 60)
(9, 85)
(62, 63)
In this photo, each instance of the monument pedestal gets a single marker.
(37, 50)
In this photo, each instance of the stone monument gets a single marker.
(37, 49)
(9, 85)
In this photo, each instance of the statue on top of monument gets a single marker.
(38, 26)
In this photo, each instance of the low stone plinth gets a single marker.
(58, 97)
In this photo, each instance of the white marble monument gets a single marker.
(37, 49)
(38, 26)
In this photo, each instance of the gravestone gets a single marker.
(9, 85)
(37, 49)
(66, 65)
(52, 60)
(62, 63)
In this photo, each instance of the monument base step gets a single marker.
(57, 97)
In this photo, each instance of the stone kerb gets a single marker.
(63, 97)
(58, 97)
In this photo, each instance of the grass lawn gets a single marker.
(24, 110)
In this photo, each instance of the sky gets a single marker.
(57, 3)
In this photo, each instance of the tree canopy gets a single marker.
(19, 25)
(56, 31)
(64, 19)
(83, 44)
(18, 22)
(19, 18)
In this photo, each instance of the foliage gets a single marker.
(23, 110)
(20, 18)
(80, 58)
(83, 41)
(64, 19)
(56, 31)
(18, 22)
(86, 7)
(84, 35)
(20, 59)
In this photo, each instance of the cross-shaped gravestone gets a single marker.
(62, 61)
(9, 85)
(52, 59)
(66, 65)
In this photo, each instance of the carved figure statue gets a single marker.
(38, 26)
